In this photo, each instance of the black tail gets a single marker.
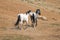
(19, 19)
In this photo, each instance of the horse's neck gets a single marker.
(27, 14)
(32, 13)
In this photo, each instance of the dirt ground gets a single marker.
(45, 30)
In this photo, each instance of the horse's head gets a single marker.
(38, 11)
(28, 11)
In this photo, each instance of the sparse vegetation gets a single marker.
(3, 28)
(15, 37)
(55, 24)
(45, 30)
(44, 4)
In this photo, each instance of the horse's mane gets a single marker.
(28, 11)
(38, 11)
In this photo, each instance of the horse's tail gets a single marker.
(19, 19)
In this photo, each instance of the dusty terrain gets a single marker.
(46, 30)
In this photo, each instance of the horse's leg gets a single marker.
(27, 22)
(34, 25)
(36, 22)
(32, 20)
(20, 25)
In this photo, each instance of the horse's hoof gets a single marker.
(19, 28)
(33, 26)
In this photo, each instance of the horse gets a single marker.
(34, 16)
(22, 17)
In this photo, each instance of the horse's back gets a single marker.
(23, 16)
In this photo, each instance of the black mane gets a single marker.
(38, 11)
(28, 12)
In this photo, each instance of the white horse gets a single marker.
(34, 16)
(22, 17)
